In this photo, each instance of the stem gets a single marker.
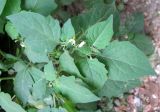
(13, 97)
(6, 78)
(54, 100)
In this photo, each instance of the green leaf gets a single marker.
(65, 2)
(38, 35)
(48, 109)
(34, 55)
(109, 1)
(99, 12)
(50, 72)
(90, 111)
(62, 14)
(37, 104)
(22, 85)
(84, 51)
(91, 3)
(8, 105)
(144, 43)
(11, 31)
(2, 66)
(92, 106)
(55, 27)
(67, 31)
(67, 64)
(24, 81)
(32, 110)
(2, 5)
(94, 72)
(11, 7)
(100, 34)
(75, 92)
(135, 22)
(39, 89)
(60, 109)
(19, 66)
(116, 21)
(113, 88)
(126, 62)
(44, 7)
(8, 60)
(2, 23)
(68, 105)
(36, 73)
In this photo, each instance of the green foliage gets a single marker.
(124, 59)
(11, 7)
(117, 88)
(67, 64)
(65, 2)
(74, 91)
(135, 23)
(70, 66)
(134, 30)
(11, 31)
(2, 5)
(41, 38)
(8, 7)
(8, 105)
(2, 23)
(50, 72)
(67, 31)
(44, 7)
(39, 89)
(94, 71)
(143, 42)
(96, 13)
(22, 84)
(100, 34)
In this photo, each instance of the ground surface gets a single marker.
(147, 97)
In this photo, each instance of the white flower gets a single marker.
(72, 41)
(22, 44)
(82, 44)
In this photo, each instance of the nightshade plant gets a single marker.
(69, 67)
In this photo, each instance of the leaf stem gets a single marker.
(6, 78)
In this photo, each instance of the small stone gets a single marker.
(125, 1)
(145, 14)
(11, 71)
(137, 102)
(117, 102)
(152, 78)
(136, 91)
(154, 96)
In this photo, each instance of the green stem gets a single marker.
(6, 78)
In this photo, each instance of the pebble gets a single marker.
(117, 102)
(137, 102)
(157, 69)
(154, 96)
(125, 1)
(11, 71)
